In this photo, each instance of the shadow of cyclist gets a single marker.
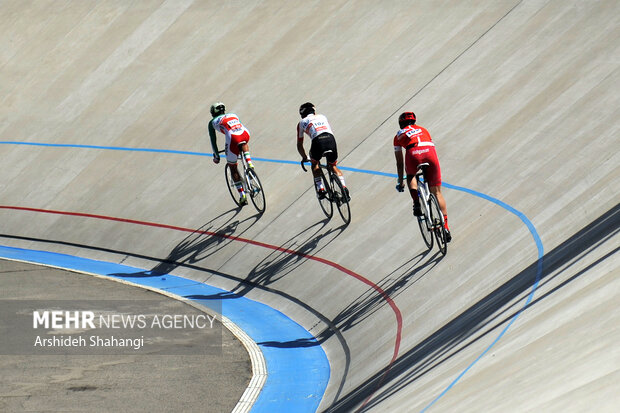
(370, 301)
(200, 244)
(289, 256)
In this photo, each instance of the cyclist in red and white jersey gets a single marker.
(419, 148)
(237, 136)
(322, 144)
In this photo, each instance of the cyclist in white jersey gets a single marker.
(237, 137)
(322, 144)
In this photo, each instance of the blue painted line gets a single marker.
(367, 171)
(541, 252)
(109, 148)
(297, 368)
(496, 201)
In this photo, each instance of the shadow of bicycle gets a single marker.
(200, 244)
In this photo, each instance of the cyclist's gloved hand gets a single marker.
(400, 187)
(216, 158)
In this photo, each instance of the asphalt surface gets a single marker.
(142, 380)
(104, 110)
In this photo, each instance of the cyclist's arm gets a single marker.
(213, 138)
(301, 150)
(300, 143)
(398, 154)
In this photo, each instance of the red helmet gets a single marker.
(406, 118)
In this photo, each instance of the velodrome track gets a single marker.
(105, 156)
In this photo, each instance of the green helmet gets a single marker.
(218, 109)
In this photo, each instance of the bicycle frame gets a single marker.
(431, 214)
(424, 194)
(335, 194)
(250, 180)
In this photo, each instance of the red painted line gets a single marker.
(379, 290)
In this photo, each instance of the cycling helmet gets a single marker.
(218, 109)
(306, 109)
(406, 119)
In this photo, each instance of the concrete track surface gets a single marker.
(523, 101)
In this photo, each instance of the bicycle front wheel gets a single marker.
(230, 184)
(341, 199)
(438, 224)
(255, 189)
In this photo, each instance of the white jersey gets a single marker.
(229, 124)
(313, 125)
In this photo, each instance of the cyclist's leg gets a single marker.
(232, 150)
(234, 172)
(412, 183)
(329, 144)
(333, 166)
(316, 168)
(316, 153)
(411, 168)
(433, 174)
(338, 173)
(436, 189)
(413, 186)
(243, 140)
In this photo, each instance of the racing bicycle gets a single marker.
(335, 194)
(250, 180)
(431, 222)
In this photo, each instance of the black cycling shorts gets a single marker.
(324, 145)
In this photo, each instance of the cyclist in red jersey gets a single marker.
(419, 148)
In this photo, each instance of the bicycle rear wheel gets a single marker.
(438, 224)
(326, 203)
(427, 233)
(255, 189)
(424, 221)
(230, 184)
(341, 199)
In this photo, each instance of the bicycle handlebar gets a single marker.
(303, 166)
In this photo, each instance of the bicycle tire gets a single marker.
(255, 189)
(424, 220)
(230, 184)
(438, 224)
(427, 234)
(340, 199)
(326, 203)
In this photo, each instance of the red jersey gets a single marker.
(412, 134)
